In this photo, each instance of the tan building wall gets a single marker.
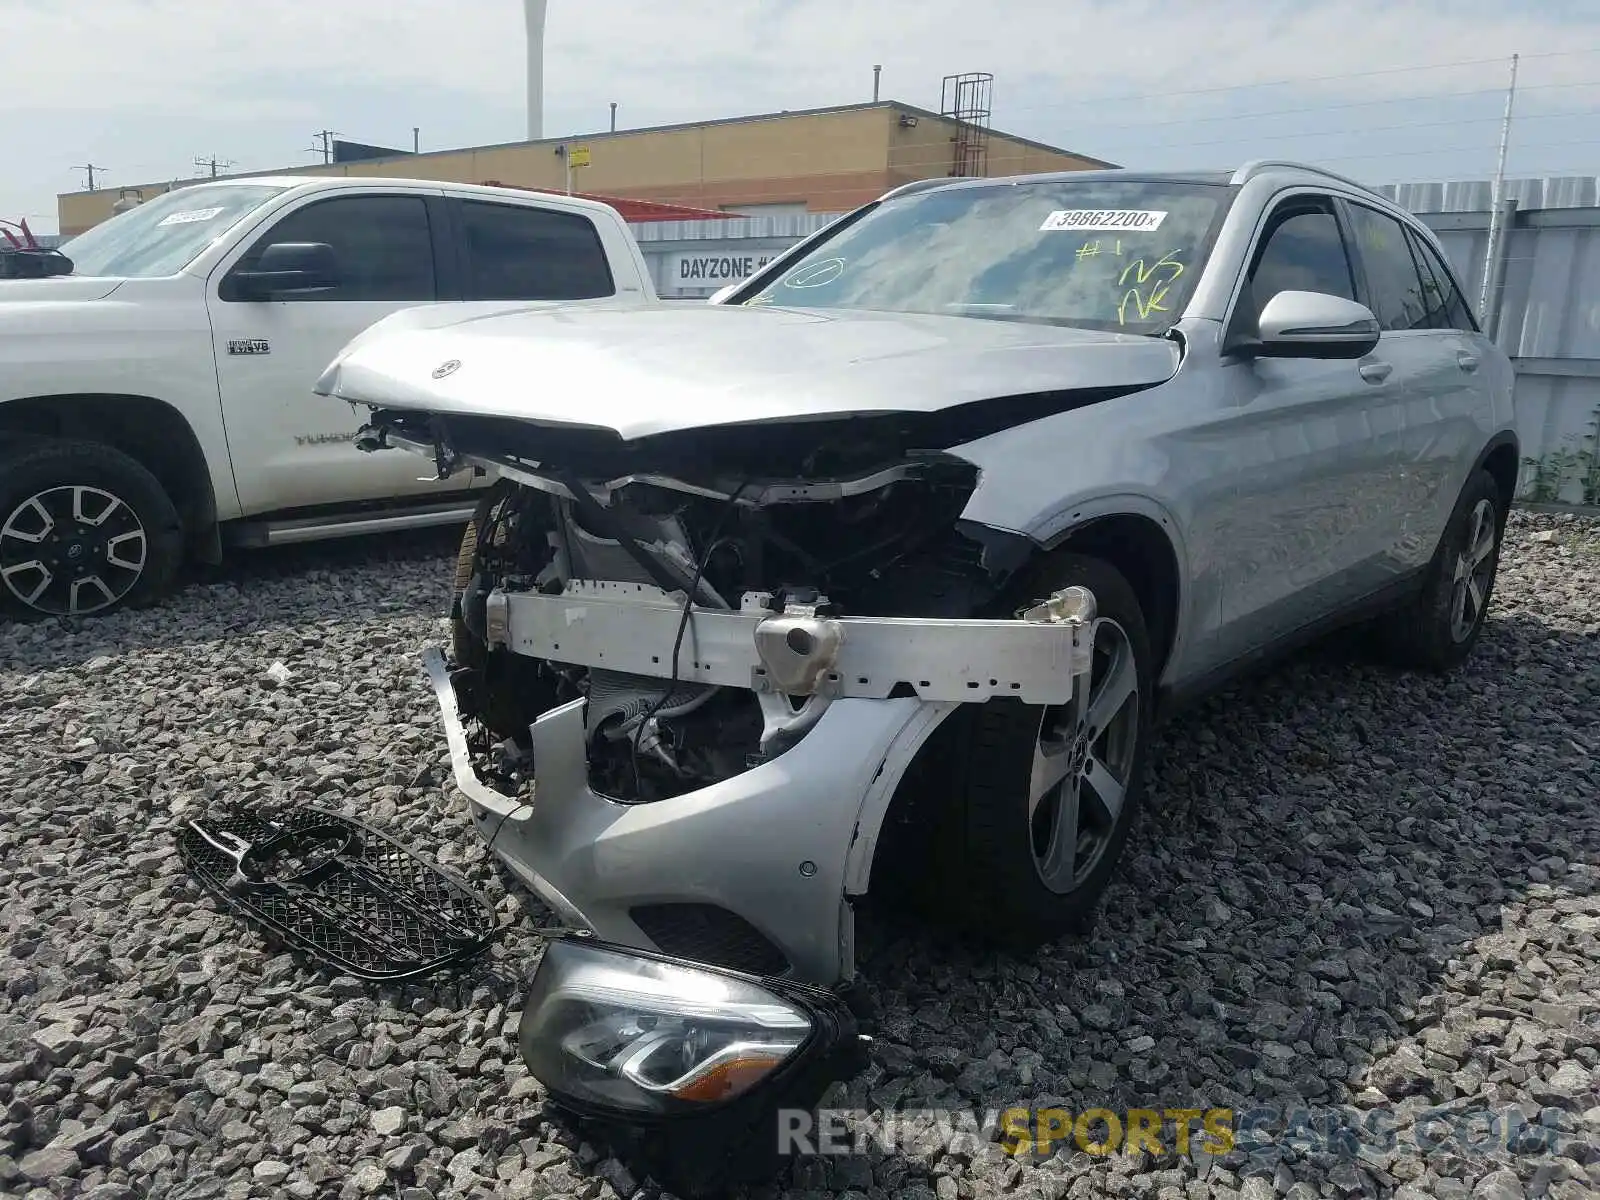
(831, 160)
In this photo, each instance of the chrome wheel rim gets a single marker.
(72, 550)
(1474, 572)
(1083, 765)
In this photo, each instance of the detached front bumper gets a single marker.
(764, 860)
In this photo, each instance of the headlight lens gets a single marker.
(607, 1029)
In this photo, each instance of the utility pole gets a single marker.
(213, 164)
(877, 74)
(1492, 250)
(613, 116)
(91, 169)
(416, 139)
(326, 137)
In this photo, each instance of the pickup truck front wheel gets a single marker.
(84, 529)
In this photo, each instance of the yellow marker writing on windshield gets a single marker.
(1143, 306)
(1142, 273)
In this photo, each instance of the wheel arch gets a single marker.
(150, 431)
(1134, 536)
(1501, 456)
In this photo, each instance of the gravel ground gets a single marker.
(1357, 889)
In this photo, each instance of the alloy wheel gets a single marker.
(1083, 764)
(72, 550)
(1474, 571)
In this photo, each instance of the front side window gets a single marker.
(518, 252)
(1301, 250)
(1102, 254)
(1395, 288)
(381, 247)
(163, 236)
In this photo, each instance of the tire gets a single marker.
(464, 644)
(1437, 630)
(84, 530)
(993, 862)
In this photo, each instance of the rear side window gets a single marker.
(1392, 279)
(1446, 308)
(516, 252)
(381, 243)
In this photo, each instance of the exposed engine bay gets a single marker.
(832, 518)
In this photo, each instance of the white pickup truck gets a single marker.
(155, 382)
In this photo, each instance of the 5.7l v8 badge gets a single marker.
(249, 346)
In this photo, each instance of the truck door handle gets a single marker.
(1376, 372)
(1467, 362)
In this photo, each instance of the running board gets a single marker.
(255, 534)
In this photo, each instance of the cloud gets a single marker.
(1084, 73)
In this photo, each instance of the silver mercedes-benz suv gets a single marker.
(901, 547)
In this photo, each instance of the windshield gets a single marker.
(1106, 254)
(164, 235)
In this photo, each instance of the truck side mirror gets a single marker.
(287, 269)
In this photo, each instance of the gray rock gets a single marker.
(308, 1094)
(152, 1160)
(1499, 1185)
(368, 1178)
(269, 1172)
(389, 1122)
(404, 1158)
(42, 1166)
(60, 1043)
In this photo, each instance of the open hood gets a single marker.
(59, 287)
(641, 371)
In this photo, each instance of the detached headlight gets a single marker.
(613, 1031)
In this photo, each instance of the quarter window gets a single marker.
(381, 246)
(518, 252)
(1446, 309)
(1396, 297)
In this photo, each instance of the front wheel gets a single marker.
(84, 530)
(1044, 796)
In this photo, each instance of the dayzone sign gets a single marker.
(714, 269)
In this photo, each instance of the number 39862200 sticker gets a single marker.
(189, 216)
(1105, 220)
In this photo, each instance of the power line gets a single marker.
(1591, 170)
(1239, 87)
(1365, 129)
(1422, 98)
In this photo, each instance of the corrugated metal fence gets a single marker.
(1544, 311)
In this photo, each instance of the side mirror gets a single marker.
(1314, 325)
(33, 262)
(289, 269)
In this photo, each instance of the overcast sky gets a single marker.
(1383, 89)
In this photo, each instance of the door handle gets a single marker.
(1467, 362)
(1376, 372)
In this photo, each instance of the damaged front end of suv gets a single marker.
(708, 779)
(743, 570)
